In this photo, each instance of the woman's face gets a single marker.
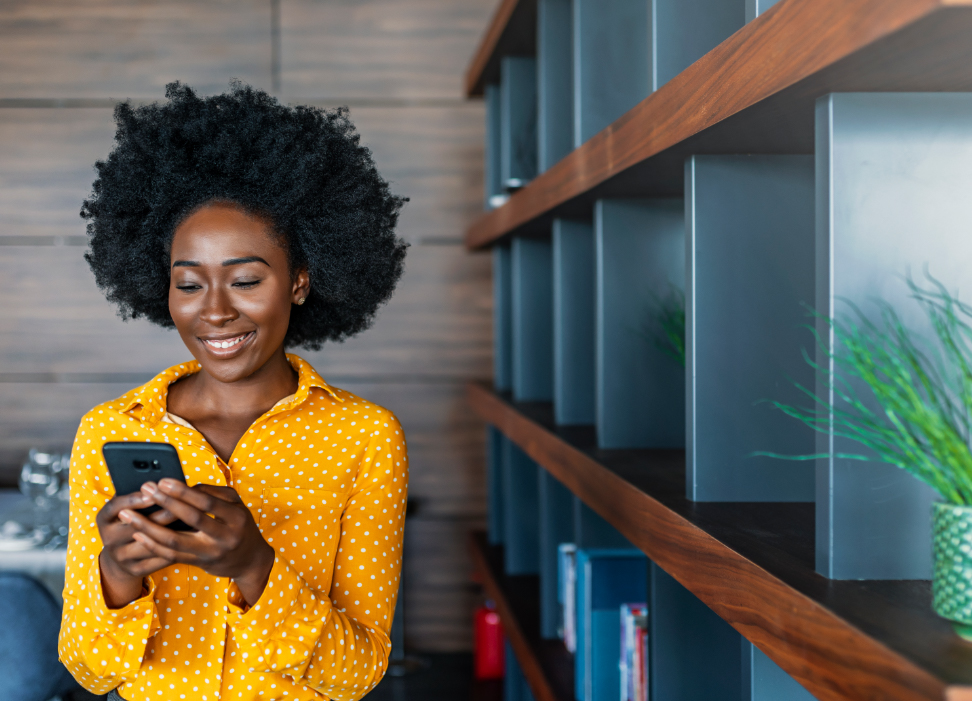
(231, 291)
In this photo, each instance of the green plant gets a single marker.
(906, 398)
(670, 319)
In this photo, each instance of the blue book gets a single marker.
(606, 578)
(566, 588)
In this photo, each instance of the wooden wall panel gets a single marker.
(411, 49)
(47, 165)
(116, 49)
(45, 414)
(437, 583)
(55, 320)
(397, 64)
(445, 445)
(425, 153)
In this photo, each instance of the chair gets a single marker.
(29, 622)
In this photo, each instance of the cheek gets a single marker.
(180, 307)
(268, 306)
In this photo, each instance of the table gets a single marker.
(46, 565)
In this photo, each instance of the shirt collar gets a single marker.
(148, 404)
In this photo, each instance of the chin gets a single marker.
(238, 367)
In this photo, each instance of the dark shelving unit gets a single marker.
(547, 665)
(751, 563)
(749, 157)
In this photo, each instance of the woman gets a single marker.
(249, 227)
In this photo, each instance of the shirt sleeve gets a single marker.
(337, 642)
(101, 647)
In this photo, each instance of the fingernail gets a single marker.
(138, 537)
(167, 483)
(125, 516)
(150, 488)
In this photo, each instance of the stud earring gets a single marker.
(301, 300)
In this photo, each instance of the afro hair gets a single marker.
(300, 168)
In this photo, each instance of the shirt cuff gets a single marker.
(142, 607)
(280, 631)
(129, 627)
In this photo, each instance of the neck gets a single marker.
(255, 394)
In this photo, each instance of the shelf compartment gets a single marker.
(682, 31)
(640, 258)
(750, 269)
(892, 182)
(612, 61)
(511, 32)
(573, 321)
(532, 319)
(547, 665)
(556, 509)
(518, 121)
(754, 93)
(555, 84)
(753, 564)
(521, 521)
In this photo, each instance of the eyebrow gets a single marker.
(231, 261)
(246, 259)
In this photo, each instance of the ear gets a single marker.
(301, 287)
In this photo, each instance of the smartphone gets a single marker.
(133, 464)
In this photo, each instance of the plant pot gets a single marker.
(952, 578)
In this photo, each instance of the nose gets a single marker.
(218, 309)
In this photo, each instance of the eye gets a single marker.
(188, 287)
(245, 284)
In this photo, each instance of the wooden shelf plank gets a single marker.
(754, 93)
(752, 563)
(547, 665)
(512, 32)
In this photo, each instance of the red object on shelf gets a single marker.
(490, 651)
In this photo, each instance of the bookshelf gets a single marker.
(547, 665)
(753, 93)
(753, 564)
(755, 157)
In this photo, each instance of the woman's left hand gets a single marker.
(226, 542)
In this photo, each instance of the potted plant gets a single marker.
(666, 326)
(908, 399)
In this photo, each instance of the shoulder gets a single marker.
(354, 414)
(350, 407)
(147, 400)
(113, 409)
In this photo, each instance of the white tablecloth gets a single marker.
(46, 566)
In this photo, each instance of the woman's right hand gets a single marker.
(124, 562)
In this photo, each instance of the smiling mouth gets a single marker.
(225, 344)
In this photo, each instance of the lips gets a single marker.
(228, 345)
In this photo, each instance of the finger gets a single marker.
(163, 517)
(149, 565)
(193, 517)
(227, 494)
(194, 497)
(162, 551)
(173, 540)
(135, 500)
(131, 551)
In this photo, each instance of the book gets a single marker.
(634, 652)
(605, 579)
(566, 590)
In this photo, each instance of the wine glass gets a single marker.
(39, 480)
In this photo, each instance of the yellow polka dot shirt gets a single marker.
(325, 475)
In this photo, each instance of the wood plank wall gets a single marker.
(397, 64)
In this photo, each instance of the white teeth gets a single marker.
(226, 344)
